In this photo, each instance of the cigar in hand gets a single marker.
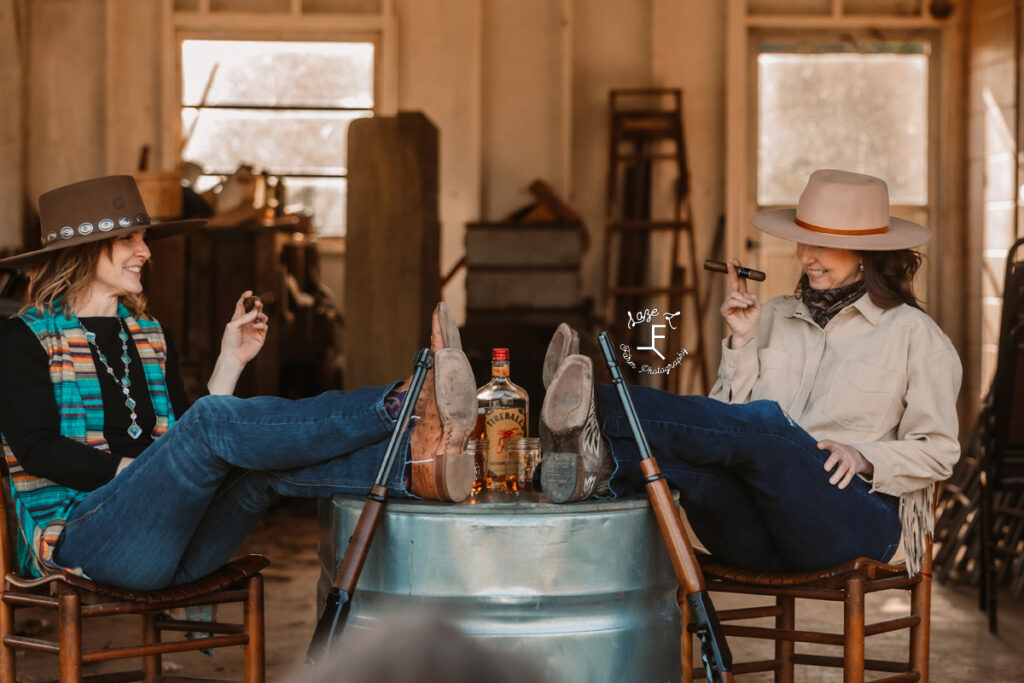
(720, 267)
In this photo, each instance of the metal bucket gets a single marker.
(585, 591)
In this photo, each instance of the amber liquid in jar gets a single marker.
(478, 449)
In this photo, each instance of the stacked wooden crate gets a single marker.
(527, 266)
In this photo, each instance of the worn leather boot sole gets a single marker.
(578, 462)
(564, 343)
(441, 470)
(444, 333)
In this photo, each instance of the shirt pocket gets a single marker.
(777, 379)
(863, 397)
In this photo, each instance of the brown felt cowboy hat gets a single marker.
(93, 210)
(843, 210)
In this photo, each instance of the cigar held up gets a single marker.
(720, 267)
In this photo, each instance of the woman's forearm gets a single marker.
(225, 374)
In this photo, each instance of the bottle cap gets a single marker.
(499, 354)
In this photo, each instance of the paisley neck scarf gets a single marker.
(825, 303)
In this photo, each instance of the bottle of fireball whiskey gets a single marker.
(503, 415)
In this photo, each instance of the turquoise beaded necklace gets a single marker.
(134, 430)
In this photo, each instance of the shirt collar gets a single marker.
(792, 307)
(868, 309)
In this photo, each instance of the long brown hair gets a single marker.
(68, 275)
(888, 277)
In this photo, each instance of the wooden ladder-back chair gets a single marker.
(75, 598)
(1002, 439)
(848, 583)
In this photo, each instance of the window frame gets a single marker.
(379, 29)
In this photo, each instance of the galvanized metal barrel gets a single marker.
(585, 591)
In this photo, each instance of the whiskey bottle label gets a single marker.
(501, 425)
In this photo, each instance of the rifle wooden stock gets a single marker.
(673, 533)
(339, 598)
(362, 536)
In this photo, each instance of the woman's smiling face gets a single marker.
(828, 268)
(120, 272)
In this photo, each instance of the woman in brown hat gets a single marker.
(114, 475)
(842, 399)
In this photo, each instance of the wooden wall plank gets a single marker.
(12, 146)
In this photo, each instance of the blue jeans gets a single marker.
(752, 482)
(185, 505)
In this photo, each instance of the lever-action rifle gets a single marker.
(713, 648)
(339, 597)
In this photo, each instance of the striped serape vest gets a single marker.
(43, 506)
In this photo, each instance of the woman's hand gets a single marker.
(741, 309)
(243, 338)
(847, 462)
(245, 334)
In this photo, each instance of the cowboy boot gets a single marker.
(447, 415)
(444, 333)
(564, 342)
(579, 462)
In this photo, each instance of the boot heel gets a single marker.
(561, 477)
(456, 475)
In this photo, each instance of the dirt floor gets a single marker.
(962, 648)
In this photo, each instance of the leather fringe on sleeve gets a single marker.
(917, 516)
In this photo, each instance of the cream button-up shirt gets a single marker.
(882, 381)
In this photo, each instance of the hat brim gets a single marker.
(902, 234)
(155, 231)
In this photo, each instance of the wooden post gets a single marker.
(392, 262)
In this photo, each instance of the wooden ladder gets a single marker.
(648, 213)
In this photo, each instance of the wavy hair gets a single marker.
(888, 277)
(65, 278)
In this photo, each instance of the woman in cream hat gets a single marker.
(842, 398)
(115, 475)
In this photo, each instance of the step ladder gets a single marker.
(650, 256)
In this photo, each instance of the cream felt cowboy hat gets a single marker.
(93, 210)
(843, 210)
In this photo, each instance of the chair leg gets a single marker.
(8, 657)
(983, 555)
(685, 638)
(69, 625)
(921, 605)
(991, 577)
(989, 590)
(853, 631)
(784, 648)
(151, 664)
(255, 656)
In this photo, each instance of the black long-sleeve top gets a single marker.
(30, 420)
